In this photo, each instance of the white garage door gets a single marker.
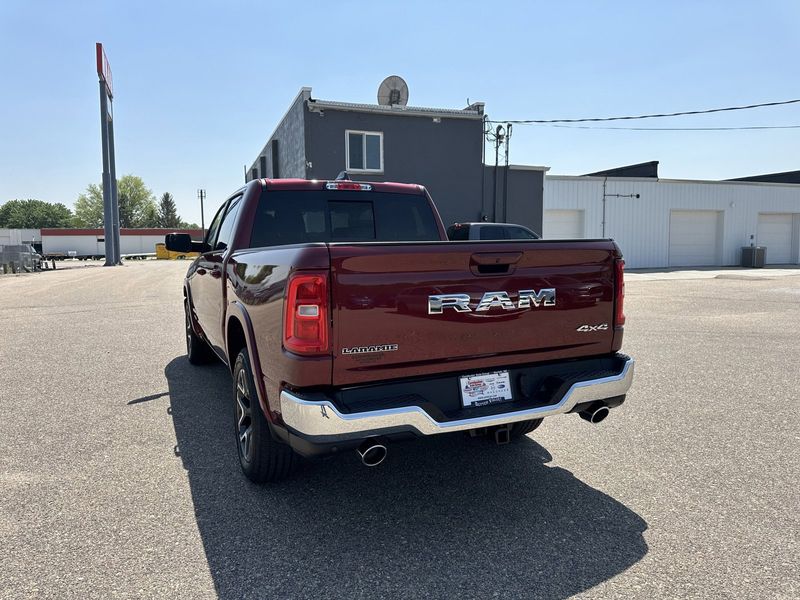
(775, 232)
(693, 237)
(563, 224)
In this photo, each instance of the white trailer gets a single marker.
(16, 237)
(90, 243)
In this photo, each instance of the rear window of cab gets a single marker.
(304, 216)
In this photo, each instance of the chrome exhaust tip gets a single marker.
(595, 414)
(372, 453)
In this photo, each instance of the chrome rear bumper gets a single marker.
(320, 421)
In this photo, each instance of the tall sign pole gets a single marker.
(114, 197)
(110, 203)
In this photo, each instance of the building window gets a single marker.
(364, 151)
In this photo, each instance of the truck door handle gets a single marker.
(493, 263)
(496, 258)
(201, 271)
(216, 273)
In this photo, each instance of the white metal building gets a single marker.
(676, 223)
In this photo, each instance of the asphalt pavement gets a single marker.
(119, 478)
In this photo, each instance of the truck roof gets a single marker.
(319, 184)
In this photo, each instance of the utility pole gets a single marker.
(505, 175)
(484, 215)
(201, 193)
(497, 138)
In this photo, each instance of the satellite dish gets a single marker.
(393, 91)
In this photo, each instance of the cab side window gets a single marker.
(214, 227)
(225, 235)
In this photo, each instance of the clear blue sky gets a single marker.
(200, 86)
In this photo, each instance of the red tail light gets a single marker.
(305, 329)
(619, 300)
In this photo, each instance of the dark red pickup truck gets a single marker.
(350, 322)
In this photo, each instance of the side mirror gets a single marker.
(178, 242)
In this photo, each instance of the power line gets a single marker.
(653, 116)
(753, 127)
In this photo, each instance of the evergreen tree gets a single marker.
(168, 212)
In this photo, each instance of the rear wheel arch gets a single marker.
(238, 337)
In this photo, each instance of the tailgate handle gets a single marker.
(493, 263)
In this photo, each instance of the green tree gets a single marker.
(138, 202)
(34, 214)
(168, 212)
(150, 216)
(89, 207)
(137, 205)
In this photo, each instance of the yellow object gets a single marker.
(163, 253)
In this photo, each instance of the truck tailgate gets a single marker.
(385, 326)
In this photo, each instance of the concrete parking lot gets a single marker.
(118, 471)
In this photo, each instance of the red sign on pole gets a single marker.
(103, 68)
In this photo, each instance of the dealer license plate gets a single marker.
(486, 388)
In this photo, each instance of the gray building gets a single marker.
(441, 149)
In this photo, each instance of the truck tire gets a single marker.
(262, 457)
(197, 350)
(524, 427)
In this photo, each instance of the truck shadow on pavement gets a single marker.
(445, 517)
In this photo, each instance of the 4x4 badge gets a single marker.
(585, 328)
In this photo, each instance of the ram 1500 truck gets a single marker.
(349, 321)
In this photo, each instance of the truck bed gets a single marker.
(381, 293)
(380, 325)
